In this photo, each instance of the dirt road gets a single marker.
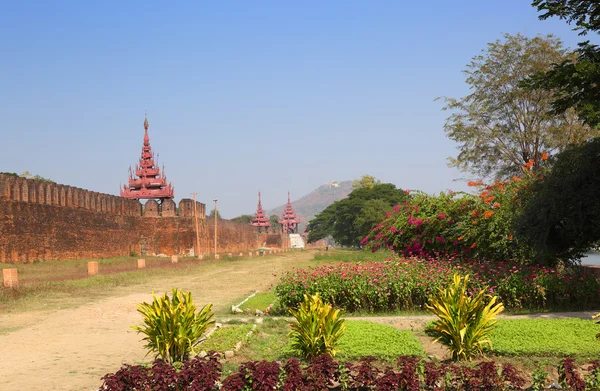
(71, 349)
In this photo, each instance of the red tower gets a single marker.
(149, 182)
(260, 219)
(289, 221)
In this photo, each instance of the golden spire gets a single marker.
(145, 120)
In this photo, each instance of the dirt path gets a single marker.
(71, 349)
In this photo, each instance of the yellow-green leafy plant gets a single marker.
(172, 327)
(597, 316)
(464, 321)
(318, 328)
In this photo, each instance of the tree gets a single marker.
(274, 220)
(212, 214)
(501, 125)
(574, 82)
(367, 181)
(562, 219)
(349, 220)
(585, 13)
(246, 219)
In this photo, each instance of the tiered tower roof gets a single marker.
(148, 182)
(289, 220)
(260, 219)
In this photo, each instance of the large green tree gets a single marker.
(562, 219)
(574, 81)
(349, 220)
(501, 125)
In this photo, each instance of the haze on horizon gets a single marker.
(242, 97)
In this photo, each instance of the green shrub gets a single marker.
(172, 327)
(318, 328)
(465, 321)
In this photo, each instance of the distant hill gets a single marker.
(316, 201)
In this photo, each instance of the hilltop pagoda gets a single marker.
(289, 221)
(260, 219)
(148, 182)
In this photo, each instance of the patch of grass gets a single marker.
(260, 301)
(335, 256)
(268, 342)
(546, 337)
(225, 338)
(363, 338)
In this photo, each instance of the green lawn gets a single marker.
(546, 337)
(363, 338)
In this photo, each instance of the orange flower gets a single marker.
(473, 184)
(496, 205)
(529, 164)
(516, 178)
(474, 222)
(488, 214)
(484, 194)
(473, 245)
(489, 199)
(544, 156)
(461, 237)
(510, 237)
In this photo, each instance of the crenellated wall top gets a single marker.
(15, 188)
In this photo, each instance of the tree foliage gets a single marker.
(367, 181)
(212, 214)
(562, 219)
(574, 82)
(501, 125)
(274, 220)
(246, 219)
(349, 220)
(584, 13)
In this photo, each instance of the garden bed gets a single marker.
(405, 284)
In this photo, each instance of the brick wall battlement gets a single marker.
(15, 188)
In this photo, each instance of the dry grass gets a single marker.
(60, 284)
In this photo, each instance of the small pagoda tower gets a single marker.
(260, 219)
(148, 182)
(289, 221)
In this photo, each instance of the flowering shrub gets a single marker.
(424, 225)
(405, 284)
(452, 223)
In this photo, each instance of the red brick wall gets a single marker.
(32, 231)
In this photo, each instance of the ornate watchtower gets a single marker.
(260, 219)
(148, 182)
(289, 221)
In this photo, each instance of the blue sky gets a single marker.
(242, 96)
